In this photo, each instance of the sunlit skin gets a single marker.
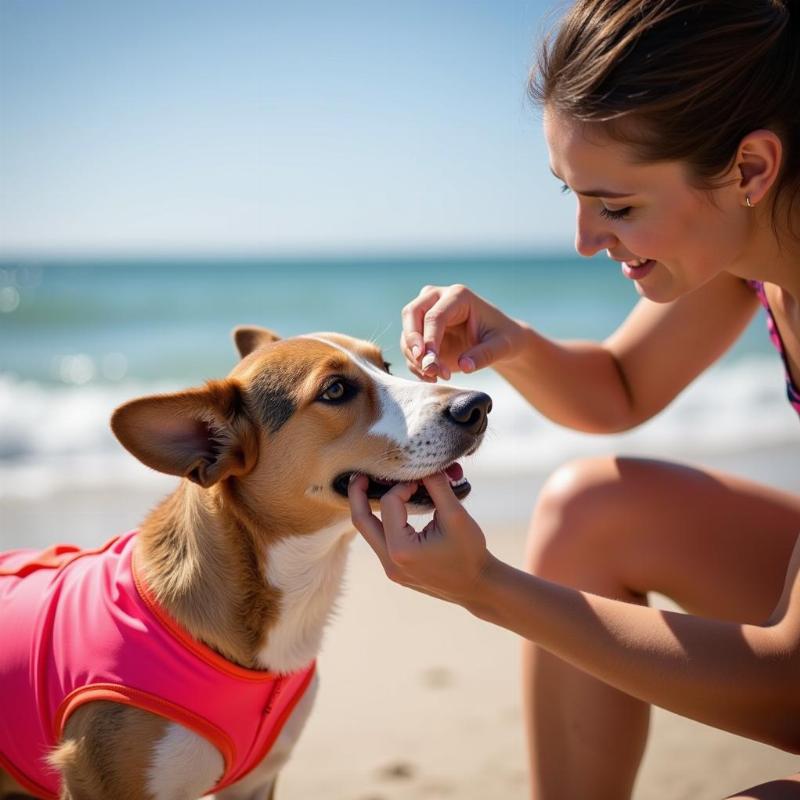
(693, 233)
(606, 531)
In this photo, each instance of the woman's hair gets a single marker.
(680, 80)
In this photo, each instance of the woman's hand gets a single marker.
(446, 559)
(463, 331)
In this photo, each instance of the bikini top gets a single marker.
(792, 391)
(81, 625)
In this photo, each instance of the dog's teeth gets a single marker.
(459, 482)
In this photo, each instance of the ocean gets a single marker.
(79, 337)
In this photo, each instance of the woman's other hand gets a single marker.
(446, 559)
(450, 329)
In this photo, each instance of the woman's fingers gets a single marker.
(485, 353)
(442, 494)
(448, 310)
(387, 536)
(413, 318)
(446, 329)
(444, 560)
(395, 517)
(425, 323)
(365, 522)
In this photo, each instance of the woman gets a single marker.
(676, 125)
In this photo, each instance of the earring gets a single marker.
(747, 201)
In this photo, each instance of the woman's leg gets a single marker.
(717, 545)
(783, 789)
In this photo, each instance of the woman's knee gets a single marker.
(578, 520)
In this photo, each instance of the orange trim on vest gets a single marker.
(136, 698)
(208, 655)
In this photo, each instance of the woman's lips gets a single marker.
(637, 273)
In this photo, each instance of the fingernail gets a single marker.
(466, 364)
(429, 360)
(415, 350)
(353, 476)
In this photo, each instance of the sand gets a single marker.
(419, 699)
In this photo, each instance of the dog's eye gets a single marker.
(337, 392)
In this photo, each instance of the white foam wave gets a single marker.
(57, 437)
(732, 409)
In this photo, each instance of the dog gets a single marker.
(178, 660)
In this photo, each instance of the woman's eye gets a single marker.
(609, 213)
(335, 391)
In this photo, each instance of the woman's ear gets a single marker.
(759, 162)
(251, 337)
(200, 434)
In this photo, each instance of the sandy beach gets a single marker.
(429, 708)
(419, 699)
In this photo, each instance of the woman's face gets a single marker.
(668, 236)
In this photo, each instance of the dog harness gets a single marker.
(80, 625)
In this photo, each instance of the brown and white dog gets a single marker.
(247, 555)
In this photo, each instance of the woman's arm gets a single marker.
(741, 678)
(635, 373)
(595, 387)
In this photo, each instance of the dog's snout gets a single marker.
(469, 411)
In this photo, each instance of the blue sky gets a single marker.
(190, 126)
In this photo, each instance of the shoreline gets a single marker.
(88, 515)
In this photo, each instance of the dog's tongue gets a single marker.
(454, 472)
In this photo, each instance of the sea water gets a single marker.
(78, 337)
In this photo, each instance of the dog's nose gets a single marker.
(469, 411)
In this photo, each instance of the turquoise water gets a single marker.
(171, 319)
(78, 338)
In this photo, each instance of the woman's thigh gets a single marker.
(784, 789)
(716, 544)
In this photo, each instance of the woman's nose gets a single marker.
(592, 234)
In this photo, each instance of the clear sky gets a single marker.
(197, 126)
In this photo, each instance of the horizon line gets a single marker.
(273, 256)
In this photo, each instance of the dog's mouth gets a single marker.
(378, 487)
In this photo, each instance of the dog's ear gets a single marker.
(251, 337)
(202, 434)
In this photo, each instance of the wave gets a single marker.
(733, 408)
(58, 437)
(55, 438)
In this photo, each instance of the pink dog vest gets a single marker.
(79, 625)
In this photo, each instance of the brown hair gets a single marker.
(692, 76)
